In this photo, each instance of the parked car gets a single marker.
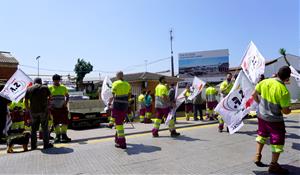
(86, 113)
(76, 95)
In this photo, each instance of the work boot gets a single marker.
(155, 132)
(257, 160)
(121, 143)
(221, 127)
(120, 146)
(47, 146)
(196, 119)
(277, 169)
(187, 118)
(65, 138)
(147, 120)
(57, 138)
(174, 133)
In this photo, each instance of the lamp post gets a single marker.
(38, 59)
(172, 59)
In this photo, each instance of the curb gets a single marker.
(130, 134)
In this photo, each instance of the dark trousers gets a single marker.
(37, 119)
(2, 123)
(198, 107)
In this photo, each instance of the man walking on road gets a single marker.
(162, 108)
(274, 101)
(121, 93)
(38, 96)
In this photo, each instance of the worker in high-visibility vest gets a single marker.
(211, 102)
(274, 100)
(142, 105)
(18, 115)
(121, 93)
(225, 88)
(162, 108)
(59, 110)
(148, 104)
(188, 103)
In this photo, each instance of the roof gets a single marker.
(6, 57)
(136, 77)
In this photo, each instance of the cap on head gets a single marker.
(37, 81)
(56, 77)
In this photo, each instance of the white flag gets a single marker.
(106, 92)
(295, 74)
(253, 63)
(179, 100)
(237, 103)
(197, 87)
(15, 88)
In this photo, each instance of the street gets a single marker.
(199, 150)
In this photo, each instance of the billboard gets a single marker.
(210, 66)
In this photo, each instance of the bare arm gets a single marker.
(286, 110)
(67, 98)
(255, 96)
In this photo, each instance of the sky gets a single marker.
(126, 34)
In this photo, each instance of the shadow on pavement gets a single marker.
(186, 138)
(292, 136)
(293, 127)
(250, 122)
(250, 133)
(296, 146)
(56, 151)
(133, 149)
(292, 169)
(291, 121)
(183, 138)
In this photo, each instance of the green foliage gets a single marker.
(81, 69)
(282, 51)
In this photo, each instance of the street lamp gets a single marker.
(38, 59)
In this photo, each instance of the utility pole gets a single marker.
(172, 59)
(146, 64)
(38, 59)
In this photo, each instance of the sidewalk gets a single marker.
(83, 135)
(102, 132)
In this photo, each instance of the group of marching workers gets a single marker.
(42, 110)
(271, 94)
(193, 107)
(43, 102)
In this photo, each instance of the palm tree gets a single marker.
(282, 52)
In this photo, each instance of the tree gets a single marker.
(81, 69)
(282, 51)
